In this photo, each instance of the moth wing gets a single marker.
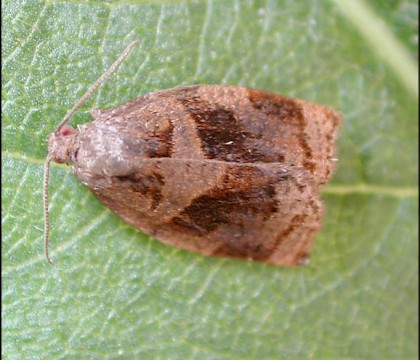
(263, 212)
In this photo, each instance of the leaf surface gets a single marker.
(116, 293)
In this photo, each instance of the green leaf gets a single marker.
(116, 293)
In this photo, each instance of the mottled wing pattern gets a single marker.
(218, 170)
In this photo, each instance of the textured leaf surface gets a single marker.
(115, 293)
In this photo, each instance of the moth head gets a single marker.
(61, 144)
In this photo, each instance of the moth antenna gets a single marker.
(46, 210)
(97, 84)
(66, 119)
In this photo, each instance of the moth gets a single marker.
(214, 169)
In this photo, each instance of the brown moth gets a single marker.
(214, 169)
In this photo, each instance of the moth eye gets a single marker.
(65, 131)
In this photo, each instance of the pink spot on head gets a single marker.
(65, 130)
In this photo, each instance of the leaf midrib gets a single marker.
(384, 43)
